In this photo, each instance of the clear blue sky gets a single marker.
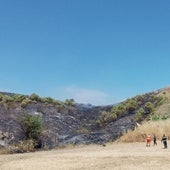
(95, 51)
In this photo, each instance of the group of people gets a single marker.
(163, 140)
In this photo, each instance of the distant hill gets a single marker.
(70, 123)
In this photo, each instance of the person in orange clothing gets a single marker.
(148, 140)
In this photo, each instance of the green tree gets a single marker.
(32, 127)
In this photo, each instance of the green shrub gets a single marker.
(35, 97)
(149, 107)
(1, 97)
(105, 118)
(32, 127)
(131, 105)
(6, 99)
(118, 110)
(164, 117)
(25, 102)
(140, 114)
(49, 100)
(19, 98)
(69, 102)
(159, 100)
(139, 98)
(155, 117)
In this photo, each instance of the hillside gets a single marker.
(70, 123)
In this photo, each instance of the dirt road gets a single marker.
(134, 156)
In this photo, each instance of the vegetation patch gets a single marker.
(158, 128)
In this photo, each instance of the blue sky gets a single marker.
(95, 51)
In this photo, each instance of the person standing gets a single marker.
(148, 140)
(154, 140)
(164, 140)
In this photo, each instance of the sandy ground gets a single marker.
(116, 156)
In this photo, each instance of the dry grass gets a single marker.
(153, 127)
(21, 147)
(115, 156)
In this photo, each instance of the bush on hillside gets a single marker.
(159, 100)
(32, 127)
(156, 117)
(131, 105)
(25, 102)
(139, 116)
(19, 98)
(69, 102)
(35, 97)
(118, 110)
(48, 100)
(6, 99)
(149, 107)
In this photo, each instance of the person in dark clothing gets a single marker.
(164, 140)
(154, 140)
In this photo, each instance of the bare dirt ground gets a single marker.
(116, 156)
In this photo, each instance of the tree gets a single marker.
(32, 127)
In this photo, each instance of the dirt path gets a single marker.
(133, 156)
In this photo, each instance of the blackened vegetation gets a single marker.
(48, 123)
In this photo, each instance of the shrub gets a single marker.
(32, 127)
(131, 105)
(159, 100)
(6, 99)
(105, 117)
(20, 147)
(140, 114)
(35, 97)
(26, 146)
(155, 117)
(149, 108)
(118, 110)
(139, 98)
(164, 117)
(1, 97)
(25, 102)
(69, 102)
(49, 100)
(19, 98)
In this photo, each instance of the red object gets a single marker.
(148, 140)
